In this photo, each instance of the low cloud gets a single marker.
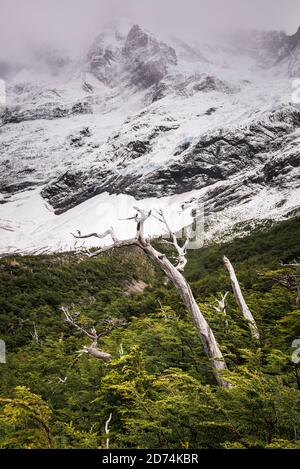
(74, 23)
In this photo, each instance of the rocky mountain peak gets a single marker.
(138, 59)
(144, 46)
(129, 122)
(293, 50)
(294, 40)
(136, 39)
(297, 34)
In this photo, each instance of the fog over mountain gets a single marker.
(72, 24)
(110, 104)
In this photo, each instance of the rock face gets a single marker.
(17, 114)
(140, 117)
(271, 48)
(294, 64)
(147, 59)
(139, 59)
(261, 153)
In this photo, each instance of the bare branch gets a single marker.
(164, 221)
(295, 263)
(62, 380)
(188, 238)
(221, 306)
(240, 299)
(181, 250)
(116, 245)
(92, 349)
(34, 334)
(107, 429)
(173, 273)
(157, 218)
(70, 320)
(111, 324)
(121, 350)
(140, 220)
(110, 232)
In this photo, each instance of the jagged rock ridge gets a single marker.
(142, 117)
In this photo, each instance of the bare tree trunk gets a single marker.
(174, 274)
(240, 299)
(205, 333)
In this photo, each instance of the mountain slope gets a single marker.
(142, 118)
(156, 351)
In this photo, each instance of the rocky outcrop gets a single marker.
(17, 114)
(294, 54)
(270, 48)
(103, 59)
(265, 147)
(139, 123)
(189, 85)
(139, 59)
(146, 58)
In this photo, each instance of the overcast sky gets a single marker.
(76, 22)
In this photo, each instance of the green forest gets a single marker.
(158, 388)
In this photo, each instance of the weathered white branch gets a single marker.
(121, 350)
(141, 221)
(62, 380)
(92, 349)
(107, 430)
(221, 305)
(295, 263)
(209, 342)
(70, 320)
(97, 235)
(116, 245)
(95, 352)
(173, 273)
(240, 299)
(34, 334)
(181, 250)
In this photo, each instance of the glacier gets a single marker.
(158, 124)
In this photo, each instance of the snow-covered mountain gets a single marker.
(164, 123)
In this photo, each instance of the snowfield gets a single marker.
(28, 224)
(138, 122)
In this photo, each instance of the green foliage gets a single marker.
(159, 385)
(24, 420)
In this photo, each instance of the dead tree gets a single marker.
(240, 299)
(107, 443)
(93, 348)
(34, 334)
(220, 307)
(174, 274)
